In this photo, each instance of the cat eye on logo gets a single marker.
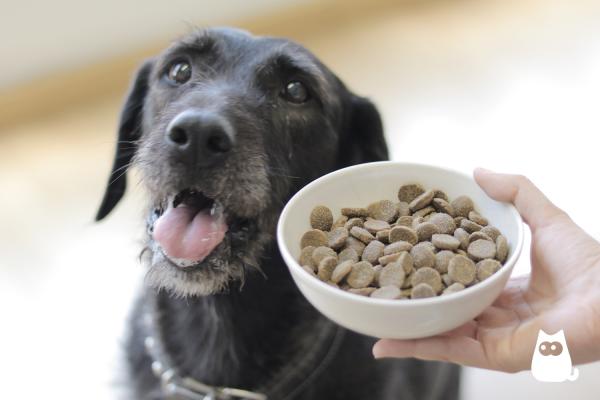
(551, 359)
(550, 348)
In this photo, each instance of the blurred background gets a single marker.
(513, 85)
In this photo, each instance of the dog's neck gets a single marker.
(240, 337)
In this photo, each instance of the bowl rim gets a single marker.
(294, 266)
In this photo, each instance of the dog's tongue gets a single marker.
(188, 236)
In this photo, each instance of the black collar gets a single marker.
(286, 384)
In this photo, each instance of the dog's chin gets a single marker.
(230, 262)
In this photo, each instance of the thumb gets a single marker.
(532, 204)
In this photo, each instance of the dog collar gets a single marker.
(287, 385)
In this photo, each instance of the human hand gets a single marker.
(562, 292)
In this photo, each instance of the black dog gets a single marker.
(224, 128)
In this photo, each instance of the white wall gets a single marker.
(41, 37)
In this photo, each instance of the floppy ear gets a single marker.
(363, 140)
(128, 134)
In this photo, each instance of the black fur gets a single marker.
(223, 321)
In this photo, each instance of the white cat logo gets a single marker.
(551, 359)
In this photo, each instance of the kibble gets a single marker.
(314, 237)
(426, 230)
(392, 274)
(373, 251)
(387, 292)
(361, 275)
(408, 193)
(337, 238)
(422, 245)
(481, 249)
(403, 233)
(462, 270)
(341, 270)
(321, 218)
(383, 210)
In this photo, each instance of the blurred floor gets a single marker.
(511, 85)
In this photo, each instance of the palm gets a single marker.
(561, 293)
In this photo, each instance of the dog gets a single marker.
(224, 128)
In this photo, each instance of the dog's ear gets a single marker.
(363, 140)
(129, 132)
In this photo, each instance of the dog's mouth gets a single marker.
(191, 225)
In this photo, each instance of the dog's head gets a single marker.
(224, 127)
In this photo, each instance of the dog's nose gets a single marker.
(201, 138)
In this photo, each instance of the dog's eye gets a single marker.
(295, 92)
(180, 72)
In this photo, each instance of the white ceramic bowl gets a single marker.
(359, 185)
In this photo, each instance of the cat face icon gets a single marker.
(551, 359)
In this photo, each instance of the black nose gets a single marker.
(200, 138)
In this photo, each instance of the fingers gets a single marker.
(456, 349)
(532, 204)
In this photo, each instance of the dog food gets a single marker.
(423, 245)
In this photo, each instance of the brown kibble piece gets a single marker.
(455, 287)
(447, 280)
(377, 268)
(421, 291)
(442, 259)
(491, 231)
(321, 252)
(461, 252)
(392, 274)
(352, 212)
(362, 234)
(352, 222)
(423, 256)
(373, 251)
(423, 212)
(321, 218)
(501, 248)
(341, 270)
(442, 206)
(340, 222)
(306, 257)
(444, 222)
(481, 249)
(470, 226)
(387, 292)
(383, 210)
(445, 242)
(356, 245)
(362, 291)
(417, 221)
(314, 237)
(429, 276)
(463, 237)
(479, 235)
(440, 194)
(406, 261)
(487, 268)
(337, 238)
(408, 193)
(406, 220)
(421, 201)
(403, 233)
(397, 247)
(384, 260)
(462, 206)
(348, 254)
(375, 225)
(326, 267)
(462, 270)
(403, 209)
(477, 218)
(426, 230)
(383, 236)
(458, 220)
(362, 275)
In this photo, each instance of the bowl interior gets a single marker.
(360, 185)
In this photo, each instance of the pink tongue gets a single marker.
(188, 235)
